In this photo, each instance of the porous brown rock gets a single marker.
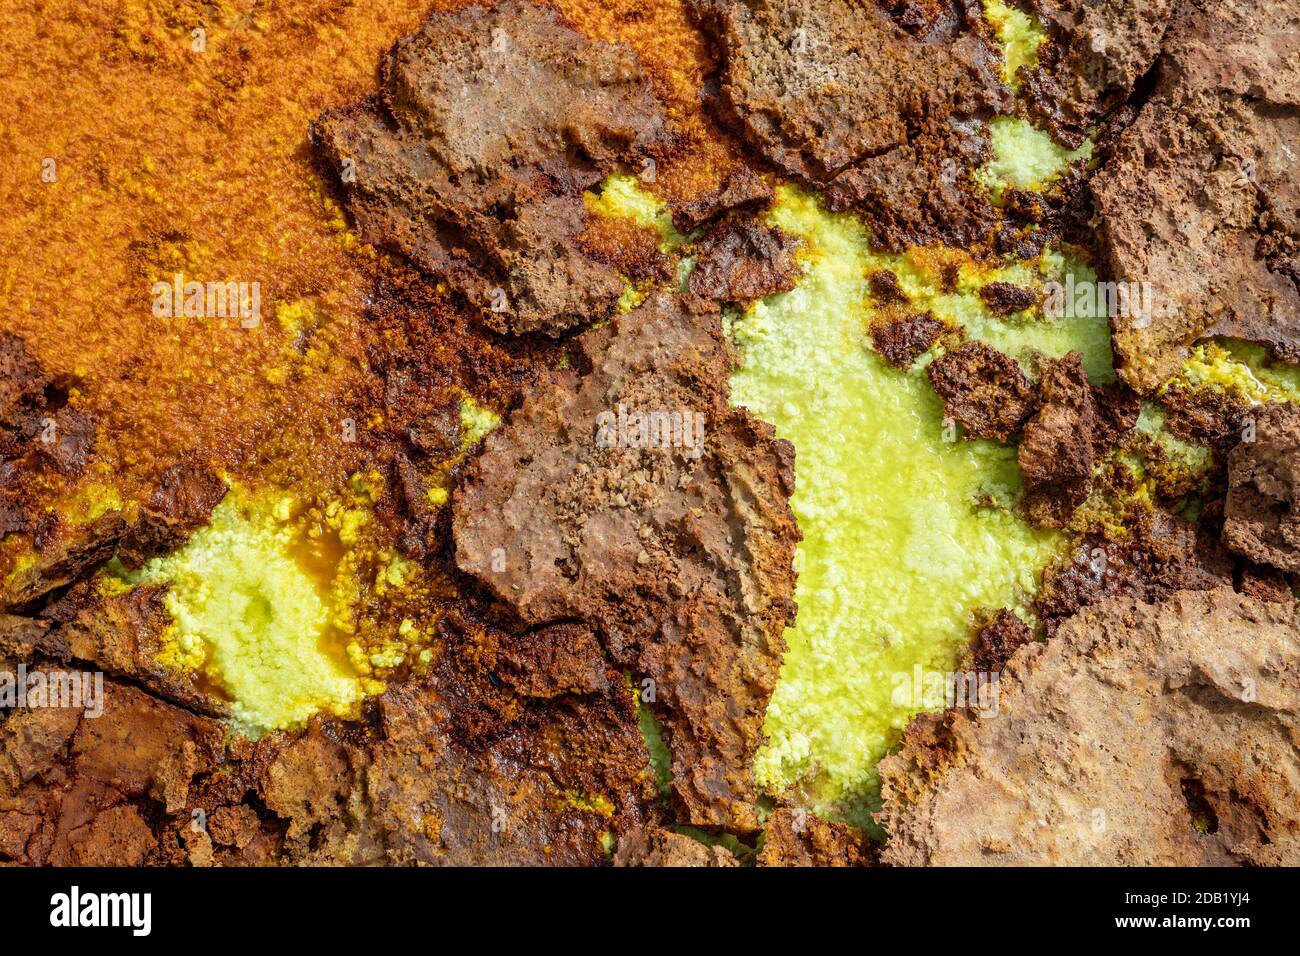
(1056, 452)
(1262, 513)
(1199, 197)
(797, 837)
(983, 390)
(1160, 554)
(489, 125)
(744, 260)
(1095, 53)
(902, 341)
(843, 97)
(659, 847)
(1193, 697)
(995, 641)
(677, 553)
(1005, 298)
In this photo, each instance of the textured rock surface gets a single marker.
(472, 161)
(1056, 452)
(1140, 734)
(1096, 52)
(452, 770)
(797, 838)
(660, 847)
(983, 390)
(903, 341)
(744, 260)
(842, 97)
(1160, 554)
(1262, 515)
(680, 557)
(1200, 197)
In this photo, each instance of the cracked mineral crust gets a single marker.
(842, 97)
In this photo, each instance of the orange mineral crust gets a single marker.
(168, 160)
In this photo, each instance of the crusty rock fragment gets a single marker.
(1005, 298)
(885, 288)
(555, 660)
(23, 638)
(1100, 736)
(635, 498)
(182, 503)
(983, 390)
(1200, 197)
(1096, 52)
(797, 837)
(995, 642)
(1262, 513)
(1116, 409)
(123, 635)
(64, 440)
(117, 837)
(1056, 452)
(1161, 554)
(744, 260)
(23, 385)
(740, 189)
(902, 341)
(841, 96)
(142, 746)
(489, 125)
(1265, 584)
(67, 558)
(1207, 416)
(38, 428)
(657, 847)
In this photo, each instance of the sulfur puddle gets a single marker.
(256, 611)
(1240, 370)
(907, 528)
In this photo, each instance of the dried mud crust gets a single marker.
(1160, 700)
(1262, 513)
(472, 159)
(842, 97)
(1200, 198)
(679, 557)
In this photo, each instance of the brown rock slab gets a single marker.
(843, 97)
(983, 390)
(1200, 197)
(489, 125)
(1190, 703)
(1262, 513)
(744, 260)
(677, 553)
